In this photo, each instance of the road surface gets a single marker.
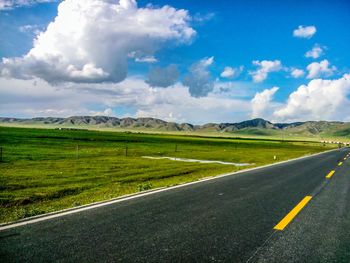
(289, 212)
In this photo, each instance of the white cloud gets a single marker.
(29, 98)
(264, 68)
(90, 41)
(230, 72)
(319, 100)
(297, 73)
(139, 57)
(318, 69)
(235, 89)
(199, 80)
(315, 52)
(106, 112)
(177, 104)
(304, 31)
(262, 103)
(31, 29)
(146, 59)
(200, 18)
(10, 4)
(162, 77)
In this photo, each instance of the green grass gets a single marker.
(44, 170)
(249, 133)
(342, 133)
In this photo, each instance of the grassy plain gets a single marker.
(45, 170)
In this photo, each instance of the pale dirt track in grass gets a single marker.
(195, 160)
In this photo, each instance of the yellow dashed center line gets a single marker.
(330, 174)
(293, 213)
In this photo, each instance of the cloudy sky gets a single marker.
(185, 60)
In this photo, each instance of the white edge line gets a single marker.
(64, 212)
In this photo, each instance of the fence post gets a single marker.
(126, 150)
(77, 153)
(0, 153)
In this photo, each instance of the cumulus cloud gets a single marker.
(319, 100)
(162, 77)
(90, 41)
(297, 73)
(318, 69)
(199, 80)
(315, 52)
(264, 68)
(262, 103)
(230, 72)
(10, 4)
(304, 31)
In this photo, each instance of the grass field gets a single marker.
(44, 170)
(250, 133)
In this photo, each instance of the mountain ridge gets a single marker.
(257, 126)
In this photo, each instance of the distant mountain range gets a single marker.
(249, 127)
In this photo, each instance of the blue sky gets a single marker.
(230, 34)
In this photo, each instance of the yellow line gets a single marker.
(340, 163)
(330, 174)
(289, 217)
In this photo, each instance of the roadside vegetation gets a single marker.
(45, 170)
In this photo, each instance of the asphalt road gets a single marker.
(229, 219)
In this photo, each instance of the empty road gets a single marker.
(297, 211)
